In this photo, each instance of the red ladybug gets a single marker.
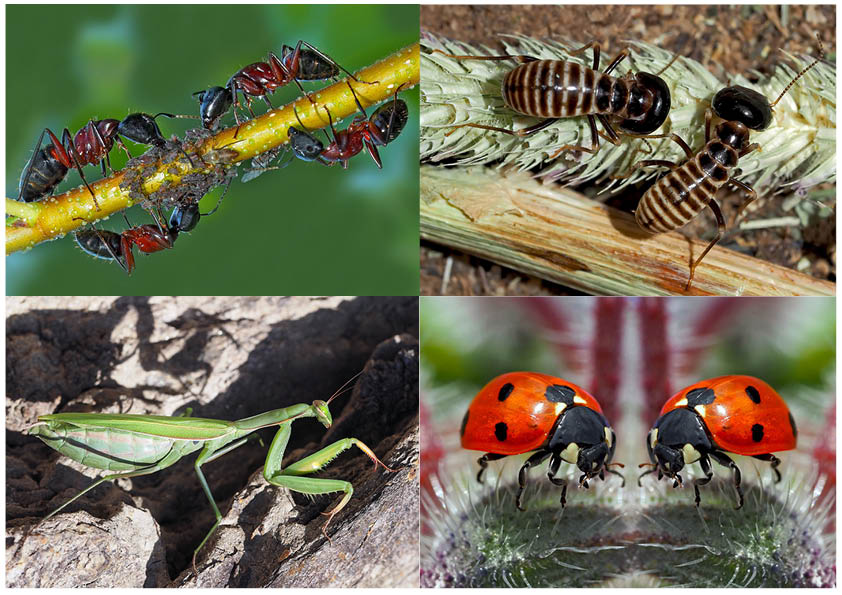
(524, 411)
(738, 414)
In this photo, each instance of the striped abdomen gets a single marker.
(560, 89)
(682, 194)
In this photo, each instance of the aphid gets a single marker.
(684, 192)
(305, 63)
(524, 411)
(91, 144)
(384, 126)
(736, 414)
(554, 89)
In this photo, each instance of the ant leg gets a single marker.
(775, 462)
(483, 463)
(726, 461)
(219, 202)
(535, 459)
(721, 229)
(71, 152)
(332, 61)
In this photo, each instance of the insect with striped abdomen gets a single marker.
(637, 104)
(684, 192)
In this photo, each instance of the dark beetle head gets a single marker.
(654, 92)
(141, 128)
(740, 104)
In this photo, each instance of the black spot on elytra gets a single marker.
(753, 394)
(757, 433)
(464, 424)
(500, 431)
(505, 391)
(792, 423)
(700, 396)
(557, 393)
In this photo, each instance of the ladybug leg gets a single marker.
(726, 461)
(535, 459)
(483, 463)
(645, 473)
(620, 475)
(555, 463)
(775, 462)
(705, 464)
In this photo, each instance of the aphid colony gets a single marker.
(522, 412)
(638, 104)
(49, 165)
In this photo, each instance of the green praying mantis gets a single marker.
(133, 445)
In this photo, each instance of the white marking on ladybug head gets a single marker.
(701, 410)
(571, 453)
(559, 408)
(653, 437)
(609, 436)
(691, 455)
(579, 400)
(681, 402)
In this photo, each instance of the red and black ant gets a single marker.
(109, 245)
(384, 126)
(91, 144)
(262, 78)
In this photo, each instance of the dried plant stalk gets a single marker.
(561, 236)
(797, 149)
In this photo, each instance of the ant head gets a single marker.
(304, 145)
(185, 218)
(213, 104)
(740, 104)
(653, 104)
(141, 128)
(389, 119)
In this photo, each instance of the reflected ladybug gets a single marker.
(524, 411)
(737, 414)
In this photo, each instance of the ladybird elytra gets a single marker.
(520, 412)
(727, 414)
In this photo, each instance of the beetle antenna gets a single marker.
(342, 388)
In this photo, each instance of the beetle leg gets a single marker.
(555, 462)
(535, 459)
(483, 463)
(705, 464)
(724, 460)
(775, 462)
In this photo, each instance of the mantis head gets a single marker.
(322, 413)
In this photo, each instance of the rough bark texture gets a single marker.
(227, 358)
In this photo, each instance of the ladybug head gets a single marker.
(592, 460)
(678, 438)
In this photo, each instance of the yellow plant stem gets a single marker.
(55, 216)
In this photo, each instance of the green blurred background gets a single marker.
(303, 230)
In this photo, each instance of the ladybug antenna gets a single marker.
(802, 73)
(344, 388)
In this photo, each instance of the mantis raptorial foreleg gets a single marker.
(290, 477)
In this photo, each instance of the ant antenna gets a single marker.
(803, 72)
